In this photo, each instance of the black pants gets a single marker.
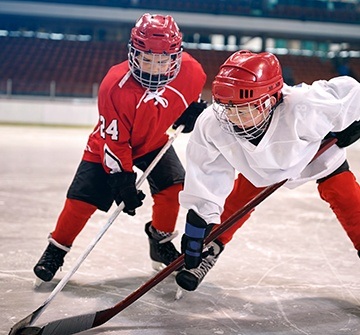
(90, 183)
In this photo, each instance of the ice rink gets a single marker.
(290, 270)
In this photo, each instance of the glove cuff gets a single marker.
(194, 232)
(195, 226)
(195, 220)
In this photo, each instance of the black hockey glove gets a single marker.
(123, 189)
(190, 115)
(192, 242)
(347, 136)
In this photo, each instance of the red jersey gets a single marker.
(133, 120)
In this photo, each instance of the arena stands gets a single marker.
(43, 67)
(69, 68)
(310, 10)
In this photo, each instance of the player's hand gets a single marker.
(123, 189)
(347, 136)
(188, 118)
(192, 242)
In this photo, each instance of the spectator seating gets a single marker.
(309, 10)
(306, 68)
(354, 65)
(32, 64)
(75, 69)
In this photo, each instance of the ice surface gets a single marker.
(290, 270)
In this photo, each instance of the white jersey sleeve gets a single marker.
(209, 176)
(347, 90)
(334, 103)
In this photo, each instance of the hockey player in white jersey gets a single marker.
(258, 132)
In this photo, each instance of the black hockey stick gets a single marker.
(31, 318)
(76, 324)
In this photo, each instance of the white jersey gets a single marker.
(298, 125)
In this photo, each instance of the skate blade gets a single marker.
(179, 293)
(38, 282)
(157, 266)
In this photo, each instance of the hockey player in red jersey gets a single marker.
(139, 99)
(267, 132)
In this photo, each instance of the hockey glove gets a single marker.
(347, 136)
(123, 189)
(192, 242)
(190, 115)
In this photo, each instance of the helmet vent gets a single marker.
(139, 42)
(246, 94)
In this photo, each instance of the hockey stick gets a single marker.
(76, 324)
(31, 318)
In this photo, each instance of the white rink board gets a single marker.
(65, 112)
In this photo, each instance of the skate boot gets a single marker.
(162, 250)
(190, 279)
(51, 260)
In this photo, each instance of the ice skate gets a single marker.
(189, 280)
(51, 260)
(162, 250)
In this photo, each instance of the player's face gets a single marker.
(246, 115)
(245, 120)
(154, 64)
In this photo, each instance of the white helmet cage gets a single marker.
(155, 50)
(246, 91)
(247, 120)
(152, 70)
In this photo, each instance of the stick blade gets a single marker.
(21, 324)
(29, 331)
(68, 326)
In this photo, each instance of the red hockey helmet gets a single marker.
(245, 91)
(155, 50)
(247, 76)
(156, 34)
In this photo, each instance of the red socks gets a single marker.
(166, 208)
(342, 192)
(71, 221)
(241, 194)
